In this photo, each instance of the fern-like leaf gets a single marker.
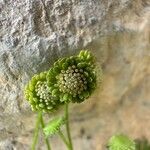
(54, 126)
(121, 142)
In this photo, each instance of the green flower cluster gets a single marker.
(38, 94)
(70, 79)
(74, 78)
(121, 142)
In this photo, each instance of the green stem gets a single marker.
(46, 140)
(64, 139)
(36, 132)
(67, 127)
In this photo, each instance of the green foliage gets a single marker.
(142, 144)
(121, 142)
(54, 126)
(70, 79)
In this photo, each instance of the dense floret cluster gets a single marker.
(38, 94)
(74, 78)
(70, 79)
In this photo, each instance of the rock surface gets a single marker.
(35, 33)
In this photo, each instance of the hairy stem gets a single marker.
(36, 132)
(67, 126)
(46, 140)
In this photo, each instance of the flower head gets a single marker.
(38, 94)
(73, 78)
(121, 142)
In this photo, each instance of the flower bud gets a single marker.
(38, 94)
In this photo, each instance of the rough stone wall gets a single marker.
(34, 33)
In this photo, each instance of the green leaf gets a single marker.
(82, 65)
(121, 142)
(42, 75)
(81, 54)
(31, 86)
(86, 53)
(61, 61)
(54, 126)
(56, 70)
(31, 96)
(89, 57)
(65, 65)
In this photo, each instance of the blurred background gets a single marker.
(35, 33)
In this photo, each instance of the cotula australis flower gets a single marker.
(38, 94)
(73, 78)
